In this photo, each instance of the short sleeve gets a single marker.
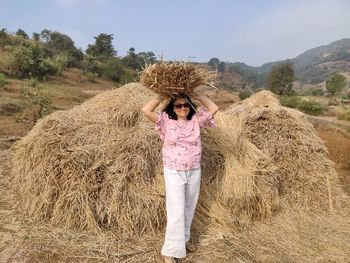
(160, 125)
(205, 118)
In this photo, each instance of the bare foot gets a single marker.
(190, 246)
(169, 259)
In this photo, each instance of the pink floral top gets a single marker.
(182, 147)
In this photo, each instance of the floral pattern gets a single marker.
(182, 147)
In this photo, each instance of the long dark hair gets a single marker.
(169, 108)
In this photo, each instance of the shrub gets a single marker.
(111, 69)
(343, 95)
(89, 64)
(90, 76)
(29, 60)
(311, 107)
(317, 92)
(345, 116)
(60, 63)
(244, 94)
(128, 76)
(34, 102)
(290, 101)
(3, 80)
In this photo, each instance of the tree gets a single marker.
(22, 33)
(221, 67)
(58, 44)
(214, 62)
(36, 36)
(335, 84)
(4, 37)
(132, 60)
(45, 35)
(103, 46)
(147, 57)
(280, 79)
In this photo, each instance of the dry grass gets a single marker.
(9, 127)
(3, 61)
(305, 171)
(267, 186)
(338, 144)
(167, 79)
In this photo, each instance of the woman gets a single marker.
(179, 127)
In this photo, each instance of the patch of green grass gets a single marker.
(244, 94)
(345, 116)
(308, 106)
(63, 90)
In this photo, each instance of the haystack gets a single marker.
(99, 165)
(170, 78)
(307, 177)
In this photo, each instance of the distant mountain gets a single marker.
(312, 66)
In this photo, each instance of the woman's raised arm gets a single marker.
(206, 102)
(149, 108)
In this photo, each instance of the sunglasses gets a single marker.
(179, 106)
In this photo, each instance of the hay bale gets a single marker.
(168, 79)
(80, 168)
(307, 177)
(99, 165)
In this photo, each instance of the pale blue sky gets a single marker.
(250, 31)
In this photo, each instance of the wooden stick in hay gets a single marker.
(169, 79)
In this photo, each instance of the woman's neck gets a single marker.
(182, 118)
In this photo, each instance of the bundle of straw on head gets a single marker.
(169, 79)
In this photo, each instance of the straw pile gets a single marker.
(98, 166)
(167, 79)
(307, 176)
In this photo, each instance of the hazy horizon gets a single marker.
(252, 32)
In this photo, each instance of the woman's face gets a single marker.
(181, 108)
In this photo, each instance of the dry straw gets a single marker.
(170, 78)
(285, 135)
(98, 166)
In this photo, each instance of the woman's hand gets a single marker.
(210, 105)
(148, 109)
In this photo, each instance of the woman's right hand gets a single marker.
(149, 107)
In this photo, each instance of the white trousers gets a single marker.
(182, 190)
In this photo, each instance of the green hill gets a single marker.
(312, 66)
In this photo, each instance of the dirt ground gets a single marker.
(14, 227)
